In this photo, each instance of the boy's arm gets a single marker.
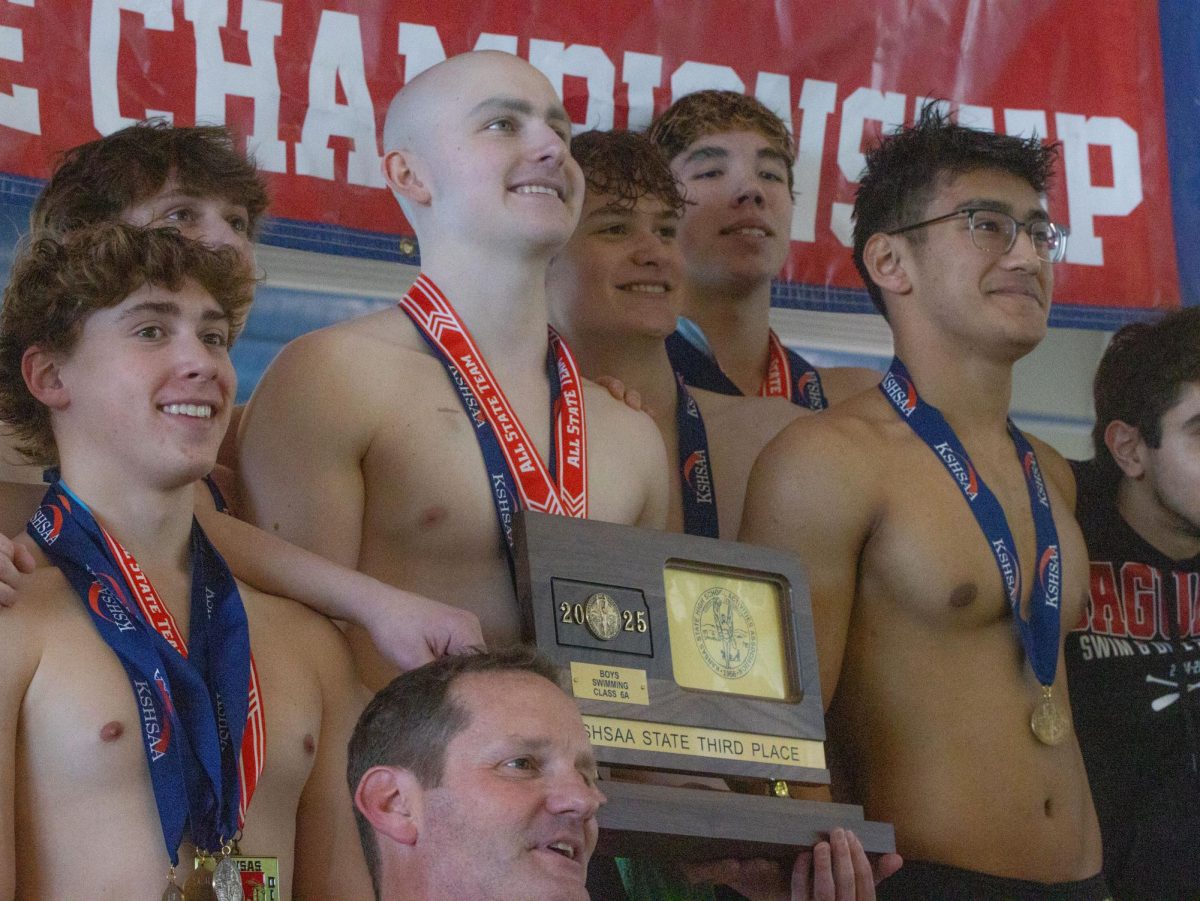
(807, 495)
(329, 857)
(408, 629)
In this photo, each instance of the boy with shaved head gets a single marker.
(734, 158)
(401, 443)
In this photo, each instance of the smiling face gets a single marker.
(211, 220)
(999, 301)
(619, 274)
(148, 388)
(487, 141)
(514, 816)
(737, 226)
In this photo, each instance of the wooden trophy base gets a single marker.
(674, 823)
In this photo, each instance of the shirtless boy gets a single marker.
(615, 293)
(194, 180)
(356, 444)
(930, 687)
(118, 756)
(734, 159)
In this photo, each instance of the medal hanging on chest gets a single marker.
(203, 726)
(515, 469)
(1040, 632)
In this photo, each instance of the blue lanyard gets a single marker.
(192, 709)
(695, 466)
(1039, 635)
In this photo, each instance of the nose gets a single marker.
(650, 250)
(196, 360)
(548, 144)
(573, 794)
(1023, 255)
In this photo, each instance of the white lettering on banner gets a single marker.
(554, 60)
(693, 76)
(421, 47)
(1085, 200)
(338, 61)
(980, 117)
(103, 43)
(865, 104)
(818, 99)
(642, 72)
(19, 109)
(1025, 123)
(337, 56)
(217, 78)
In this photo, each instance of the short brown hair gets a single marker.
(704, 113)
(98, 181)
(626, 166)
(413, 719)
(57, 284)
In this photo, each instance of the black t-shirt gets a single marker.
(1133, 667)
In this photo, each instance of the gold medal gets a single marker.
(199, 885)
(260, 877)
(1049, 723)
(173, 891)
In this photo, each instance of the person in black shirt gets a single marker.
(1133, 662)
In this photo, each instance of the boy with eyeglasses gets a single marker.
(939, 540)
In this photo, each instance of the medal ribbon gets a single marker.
(790, 375)
(695, 466)
(197, 706)
(1039, 635)
(514, 466)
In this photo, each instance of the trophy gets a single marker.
(687, 655)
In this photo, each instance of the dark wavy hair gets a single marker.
(98, 181)
(905, 169)
(626, 166)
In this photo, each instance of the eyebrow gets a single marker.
(712, 152)
(986, 203)
(169, 308)
(554, 113)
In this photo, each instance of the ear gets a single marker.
(390, 798)
(42, 372)
(1125, 443)
(401, 177)
(881, 256)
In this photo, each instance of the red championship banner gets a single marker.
(308, 83)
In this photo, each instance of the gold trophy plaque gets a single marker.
(688, 655)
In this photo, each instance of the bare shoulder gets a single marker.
(825, 464)
(288, 623)
(604, 412)
(44, 602)
(762, 417)
(843, 382)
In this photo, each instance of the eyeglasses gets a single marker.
(996, 232)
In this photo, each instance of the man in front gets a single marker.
(734, 157)
(1134, 659)
(153, 712)
(401, 443)
(939, 540)
(473, 778)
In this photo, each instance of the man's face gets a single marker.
(211, 220)
(736, 229)
(496, 158)
(515, 814)
(997, 302)
(1172, 470)
(619, 274)
(150, 386)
